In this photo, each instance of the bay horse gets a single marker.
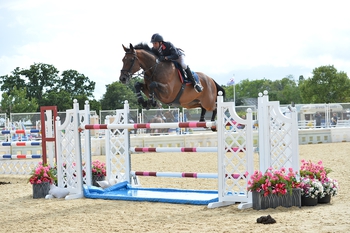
(169, 116)
(157, 119)
(163, 81)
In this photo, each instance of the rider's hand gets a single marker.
(161, 58)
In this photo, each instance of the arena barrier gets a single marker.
(20, 157)
(278, 150)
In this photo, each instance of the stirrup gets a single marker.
(198, 88)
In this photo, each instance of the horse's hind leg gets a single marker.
(202, 114)
(213, 128)
(214, 114)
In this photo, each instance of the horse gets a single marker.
(169, 116)
(157, 119)
(163, 81)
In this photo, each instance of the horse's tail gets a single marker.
(219, 88)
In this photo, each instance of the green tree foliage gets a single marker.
(15, 101)
(325, 86)
(61, 99)
(44, 85)
(8, 82)
(116, 94)
(95, 105)
(284, 90)
(41, 77)
(76, 84)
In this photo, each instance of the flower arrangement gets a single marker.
(313, 170)
(315, 174)
(330, 187)
(42, 173)
(98, 168)
(273, 181)
(311, 187)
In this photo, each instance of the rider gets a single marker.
(168, 52)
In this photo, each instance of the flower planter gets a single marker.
(308, 201)
(97, 178)
(41, 190)
(324, 200)
(274, 200)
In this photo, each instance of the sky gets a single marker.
(224, 38)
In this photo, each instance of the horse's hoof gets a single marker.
(154, 103)
(213, 128)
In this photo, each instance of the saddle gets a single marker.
(182, 74)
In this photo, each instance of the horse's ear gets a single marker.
(131, 47)
(125, 49)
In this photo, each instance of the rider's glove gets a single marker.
(161, 58)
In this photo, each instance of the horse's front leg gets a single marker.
(138, 88)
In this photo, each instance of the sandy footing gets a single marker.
(19, 212)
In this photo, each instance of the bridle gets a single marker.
(128, 73)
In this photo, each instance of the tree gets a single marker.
(285, 91)
(43, 83)
(8, 82)
(95, 105)
(76, 84)
(61, 99)
(116, 94)
(16, 102)
(41, 77)
(325, 86)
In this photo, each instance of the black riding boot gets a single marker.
(197, 85)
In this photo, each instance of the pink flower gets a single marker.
(42, 173)
(273, 181)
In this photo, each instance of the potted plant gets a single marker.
(98, 169)
(313, 170)
(311, 189)
(330, 189)
(274, 188)
(41, 178)
(318, 172)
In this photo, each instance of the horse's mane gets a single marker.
(145, 47)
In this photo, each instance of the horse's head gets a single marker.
(169, 116)
(130, 64)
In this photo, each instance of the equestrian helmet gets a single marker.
(156, 38)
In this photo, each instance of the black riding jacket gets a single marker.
(167, 49)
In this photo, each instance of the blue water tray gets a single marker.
(124, 191)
